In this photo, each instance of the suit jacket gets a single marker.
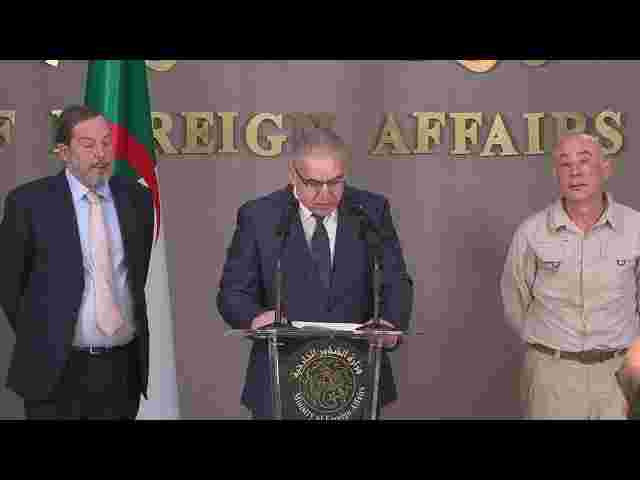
(247, 287)
(42, 275)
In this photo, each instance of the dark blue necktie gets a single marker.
(321, 251)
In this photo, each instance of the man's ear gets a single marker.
(62, 151)
(291, 174)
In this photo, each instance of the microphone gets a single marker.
(373, 235)
(369, 231)
(283, 230)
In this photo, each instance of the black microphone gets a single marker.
(282, 230)
(369, 231)
(374, 236)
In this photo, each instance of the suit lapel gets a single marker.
(67, 220)
(126, 220)
(347, 245)
(298, 254)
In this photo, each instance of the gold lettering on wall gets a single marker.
(310, 119)
(499, 136)
(569, 122)
(208, 133)
(322, 119)
(391, 135)
(228, 130)
(429, 130)
(7, 126)
(161, 125)
(612, 135)
(465, 133)
(264, 145)
(534, 130)
(197, 127)
(465, 128)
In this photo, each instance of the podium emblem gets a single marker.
(326, 380)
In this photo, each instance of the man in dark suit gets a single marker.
(74, 260)
(325, 260)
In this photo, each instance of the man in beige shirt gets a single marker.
(570, 289)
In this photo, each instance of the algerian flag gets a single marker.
(118, 90)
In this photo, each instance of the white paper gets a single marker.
(346, 327)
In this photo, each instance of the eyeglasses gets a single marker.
(315, 186)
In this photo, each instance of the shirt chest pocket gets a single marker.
(619, 256)
(551, 258)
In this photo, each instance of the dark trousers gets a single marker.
(103, 386)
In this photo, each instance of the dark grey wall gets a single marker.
(455, 216)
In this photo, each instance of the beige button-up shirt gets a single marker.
(570, 290)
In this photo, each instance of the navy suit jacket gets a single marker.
(247, 286)
(42, 275)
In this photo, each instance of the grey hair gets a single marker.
(308, 139)
(585, 136)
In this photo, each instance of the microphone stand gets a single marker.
(278, 320)
(279, 326)
(373, 236)
(283, 231)
(375, 256)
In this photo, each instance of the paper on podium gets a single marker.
(346, 327)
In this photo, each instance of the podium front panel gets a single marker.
(325, 378)
(322, 373)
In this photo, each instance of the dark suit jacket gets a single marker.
(247, 286)
(42, 276)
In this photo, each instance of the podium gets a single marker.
(325, 373)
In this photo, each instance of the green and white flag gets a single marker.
(118, 90)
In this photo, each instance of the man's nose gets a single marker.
(324, 191)
(99, 151)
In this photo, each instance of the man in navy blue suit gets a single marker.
(325, 260)
(73, 267)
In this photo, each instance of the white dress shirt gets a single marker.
(86, 331)
(309, 225)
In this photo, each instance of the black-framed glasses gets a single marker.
(333, 185)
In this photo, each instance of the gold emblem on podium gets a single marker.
(327, 381)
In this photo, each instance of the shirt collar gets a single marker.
(306, 214)
(558, 217)
(79, 191)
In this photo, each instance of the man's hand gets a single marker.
(629, 376)
(632, 359)
(264, 319)
(388, 341)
